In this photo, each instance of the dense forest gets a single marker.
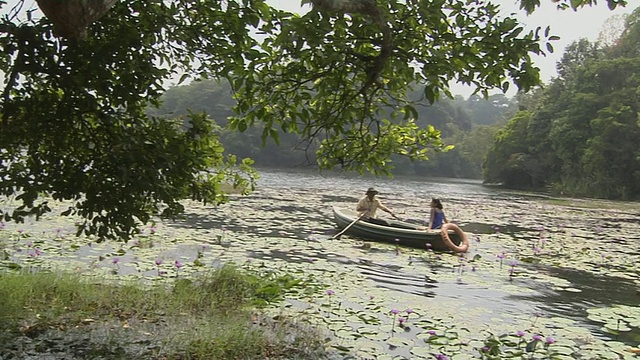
(577, 136)
(469, 125)
(581, 134)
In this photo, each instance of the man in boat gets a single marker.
(369, 205)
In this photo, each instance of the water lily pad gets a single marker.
(561, 350)
(369, 283)
(476, 344)
(399, 341)
(337, 325)
(342, 347)
(437, 340)
(422, 351)
(463, 357)
(346, 333)
(372, 334)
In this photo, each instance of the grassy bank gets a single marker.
(208, 317)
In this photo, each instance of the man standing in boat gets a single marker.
(369, 205)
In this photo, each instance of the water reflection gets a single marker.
(483, 228)
(594, 291)
(587, 290)
(390, 279)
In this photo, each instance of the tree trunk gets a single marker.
(367, 7)
(71, 18)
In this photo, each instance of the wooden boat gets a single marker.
(402, 233)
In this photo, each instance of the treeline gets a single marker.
(580, 136)
(469, 124)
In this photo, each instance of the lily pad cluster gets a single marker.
(538, 281)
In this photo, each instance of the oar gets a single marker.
(397, 217)
(348, 226)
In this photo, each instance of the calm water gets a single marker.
(566, 268)
(565, 284)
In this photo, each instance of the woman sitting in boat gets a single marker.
(369, 204)
(437, 217)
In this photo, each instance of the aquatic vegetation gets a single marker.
(567, 283)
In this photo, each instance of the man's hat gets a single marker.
(371, 190)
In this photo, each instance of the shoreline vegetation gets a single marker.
(209, 316)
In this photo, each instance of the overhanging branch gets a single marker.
(370, 9)
(71, 18)
(364, 7)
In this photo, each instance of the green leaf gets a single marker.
(183, 78)
(410, 112)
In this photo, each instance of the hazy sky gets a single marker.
(568, 25)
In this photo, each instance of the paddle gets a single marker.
(397, 217)
(347, 227)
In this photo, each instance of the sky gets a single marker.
(569, 25)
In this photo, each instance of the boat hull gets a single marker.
(399, 233)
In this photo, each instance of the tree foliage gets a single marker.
(74, 125)
(508, 161)
(531, 5)
(583, 135)
(73, 121)
(352, 100)
(467, 123)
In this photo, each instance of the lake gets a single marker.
(559, 275)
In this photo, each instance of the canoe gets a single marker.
(400, 233)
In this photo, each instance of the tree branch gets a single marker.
(13, 77)
(71, 18)
(370, 9)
